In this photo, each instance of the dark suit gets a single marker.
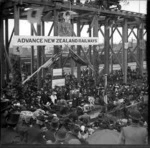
(10, 136)
(49, 135)
(133, 134)
(35, 135)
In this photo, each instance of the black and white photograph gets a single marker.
(74, 72)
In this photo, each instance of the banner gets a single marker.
(49, 40)
(57, 72)
(77, 59)
(58, 82)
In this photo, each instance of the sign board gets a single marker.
(56, 40)
(57, 72)
(126, 45)
(58, 82)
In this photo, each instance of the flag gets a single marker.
(88, 61)
(34, 15)
(77, 58)
(46, 65)
(51, 61)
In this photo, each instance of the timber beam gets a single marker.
(125, 14)
(125, 51)
(106, 46)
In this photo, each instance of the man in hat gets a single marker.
(134, 134)
(61, 136)
(75, 136)
(54, 125)
(35, 133)
(9, 134)
(85, 118)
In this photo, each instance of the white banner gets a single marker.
(126, 45)
(57, 72)
(58, 82)
(49, 40)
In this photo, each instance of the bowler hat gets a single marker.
(61, 134)
(135, 115)
(13, 118)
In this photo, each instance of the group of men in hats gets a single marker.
(135, 133)
(60, 115)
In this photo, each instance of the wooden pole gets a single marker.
(95, 34)
(32, 53)
(140, 48)
(90, 48)
(125, 50)
(56, 48)
(71, 60)
(43, 50)
(17, 72)
(78, 51)
(105, 95)
(16, 19)
(72, 66)
(39, 57)
(7, 48)
(106, 46)
(1, 50)
(111, 58)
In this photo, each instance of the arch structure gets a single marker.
(100, 21)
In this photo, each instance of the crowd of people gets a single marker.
(63, 115)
